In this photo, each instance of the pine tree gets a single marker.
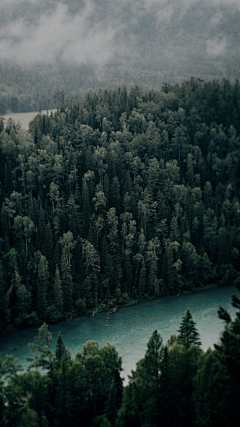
(67, 284)
(42, 227)
(174, 232)
(143, 392)
(127, 271)
(61, 351)
(115, 195)
(42, 285)
(48, 247)
(228, 354)
(3, 299)
(118, 273)
(85, 204)
(165, 394)
(211, 387)
(153, 359)
(45, 357)
(57, 290)
(62, 393)
(188, 333)
(114, 398)
(142, 280)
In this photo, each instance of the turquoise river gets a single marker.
(130, 328)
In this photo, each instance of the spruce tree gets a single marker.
(85, 205)
(42, 285)
(114, 399)
(62, 393)
(48, 247)
(60, 347)
(141, 398)
(228, 354)
(3, 299)
(57, 290)
(67, 284)
(142, 280)
(45, 358)
(188, 333)
(153, 360)
(61, 352)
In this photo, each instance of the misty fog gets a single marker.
(145, 41)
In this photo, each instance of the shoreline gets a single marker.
(135, 301)
(11, 328)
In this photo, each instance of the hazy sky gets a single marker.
(98, 31)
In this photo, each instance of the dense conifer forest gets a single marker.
(123, 195)
(174, 384)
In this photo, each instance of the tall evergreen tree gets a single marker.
(42, 285)
(188, 333)
(67, 284)
(57, 290)
(228, 353)
(61, 351)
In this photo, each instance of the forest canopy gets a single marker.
(123, 194)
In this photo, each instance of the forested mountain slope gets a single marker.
(125, 194)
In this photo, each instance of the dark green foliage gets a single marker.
(228, 354)
(140, 189)
(216, 396)
(142, 396)
(28, 400)
(61, 350)
(182, 367)
(188, 333)
(67, 285)
(210, 395)
(57, 290)
(114, 400)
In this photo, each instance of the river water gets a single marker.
(130, 328)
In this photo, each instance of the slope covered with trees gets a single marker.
(174, 384)
(122, 195)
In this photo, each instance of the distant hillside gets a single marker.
(76, 46)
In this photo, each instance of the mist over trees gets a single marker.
(123, 195)
(78, 46)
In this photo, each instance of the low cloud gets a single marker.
(58, 35)
(165, 14)
(216, 47)
(227, 3)
(5, 3)
(97, 32)
(216, 19)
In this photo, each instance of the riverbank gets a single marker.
(131, 302)
(135, 301)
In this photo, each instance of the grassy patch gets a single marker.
(25, 118)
